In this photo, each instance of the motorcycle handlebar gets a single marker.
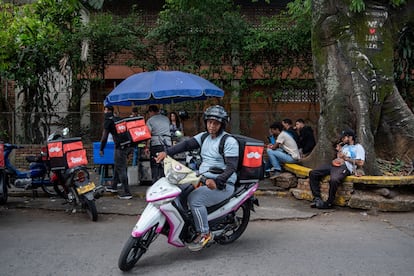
(13, 146)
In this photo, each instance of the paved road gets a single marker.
(285, 237)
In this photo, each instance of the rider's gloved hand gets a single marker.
(220, 183)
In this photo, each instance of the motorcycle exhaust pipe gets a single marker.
(98, 192)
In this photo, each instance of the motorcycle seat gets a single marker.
(238, 190)
(32, 158)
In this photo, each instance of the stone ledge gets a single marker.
(382, 180)
(365, 200)
(371, 201)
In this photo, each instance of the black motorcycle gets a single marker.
(68, 160)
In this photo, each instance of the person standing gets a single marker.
(350, 158)
(306, 137)
(284, 150)
(134, 112)
(218, 187)
(134, 150)
(159, 125)
(120, 155)
(175, 125)
(271, 140)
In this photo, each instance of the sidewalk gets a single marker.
(266, 188)
(275, 204)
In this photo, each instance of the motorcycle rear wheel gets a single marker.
(134, 248)
(242, 215)
(90, 207)
(4, 189)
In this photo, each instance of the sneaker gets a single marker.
(275, 175)
(316, 201)
(201, 241)
(111, 190)
(125, 196)
(324, 205)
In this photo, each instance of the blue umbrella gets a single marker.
(162, 87)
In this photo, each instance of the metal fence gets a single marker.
(253, 122)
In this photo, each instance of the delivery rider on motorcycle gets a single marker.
(218, 187)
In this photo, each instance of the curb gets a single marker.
(142, 194)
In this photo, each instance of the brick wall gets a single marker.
(18, 158)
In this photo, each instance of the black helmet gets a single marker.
(217, 113)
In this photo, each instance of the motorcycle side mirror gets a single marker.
(65, 131)
(216, 170)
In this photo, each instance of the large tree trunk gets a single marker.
(353, 66)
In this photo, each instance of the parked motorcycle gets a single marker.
(167, 213)
(68, 160)
(3, 186)
(38, 175)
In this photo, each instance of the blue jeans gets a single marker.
(278, 157)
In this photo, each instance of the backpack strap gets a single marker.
(222, 142)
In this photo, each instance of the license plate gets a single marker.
(84, 189)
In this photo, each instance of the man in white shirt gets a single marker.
(352, 156)
(285, 150)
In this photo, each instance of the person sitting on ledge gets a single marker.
(350, 159)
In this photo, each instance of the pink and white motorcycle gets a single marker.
(167, 213)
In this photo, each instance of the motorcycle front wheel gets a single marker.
(60, 190)
(241, 219)
(134, 248)
(49, 190)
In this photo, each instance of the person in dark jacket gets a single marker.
(306, 137)
(120, 157)
(288, 127)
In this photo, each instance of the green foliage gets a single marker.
(359, 5)
(36, 46)
(195, 33)
(280, 43)
(109, 35)
(404, 64)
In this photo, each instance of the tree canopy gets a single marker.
(50, 37)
